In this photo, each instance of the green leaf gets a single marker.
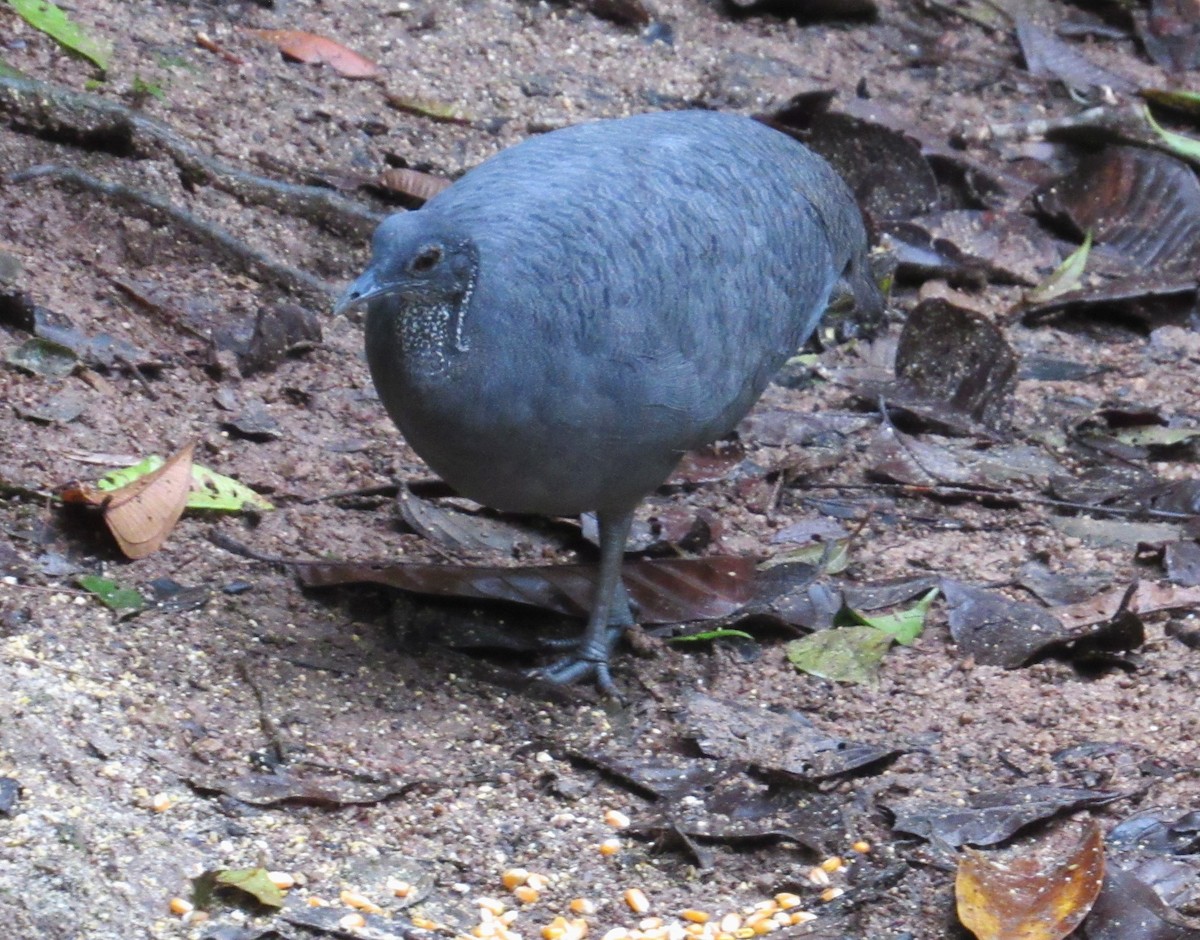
(44, 15)
(1179, 144)
(1066, 276)
(831, 557)
(210, 490)
(111, 594)
(1187, 102)
(710, 635)
(843, 654)
(44, 357)
(255, 882)
(904, 626)
(214, 490)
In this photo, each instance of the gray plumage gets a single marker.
(553, 331)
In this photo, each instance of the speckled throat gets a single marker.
(429, 332)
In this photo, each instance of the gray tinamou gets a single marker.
(553, 331)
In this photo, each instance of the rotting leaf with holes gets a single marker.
(1022, 897)
(989, 817)
(319, 50)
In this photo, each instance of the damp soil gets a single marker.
(136, 747)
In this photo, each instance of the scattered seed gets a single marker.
(582, 906)
(537, 882)
(695, 916)
(744, 933)
(637, 900)
(730, 923)
(525, 894)
(786, 899)
(314, 901)
(802, 917)
(400, 889)
(282, 880)
(491, 906)
(424, 923)
(513, 878)
(818, 876)
(360, 902)
(617, 933)
(181, 906)
(555, 930)
(161, 803)
(862, 846)
(833, 863)
(616, 819)
(610, 847)
(830, 893)
(648, 923)
(352, 922)
(195, 917)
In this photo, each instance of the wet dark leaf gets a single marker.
(990, 817)
(43, 357)
(997, 631)
(775, 740)
(1182, 561)
(316, 788)
(805, 9)
(665, 591)
(1027, 897)
(1129, 909)
(280, 330)
(1139, 203)
(960, 358)
(1047, 56)
(622, 12)
(254, 423)
(1061, 587)
(476, 532)
(10, 792)
(1170, 31)
(1158, 831)
(902, 458)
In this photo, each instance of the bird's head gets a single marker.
(416, 261)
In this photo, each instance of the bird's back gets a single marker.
(639, 283)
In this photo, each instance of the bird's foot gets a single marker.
(588, 660)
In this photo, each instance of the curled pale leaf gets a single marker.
(142, 513)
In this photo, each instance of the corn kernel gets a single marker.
(610, 847)
(649, 923)
(180, 906)
(424, 923)
(802, 917)
(582, 906)
(616, 819)
(513, 878)
(786, 899)
(730, 923)
(695, 916)
(833, 863)
(314, 901)
(830, 893)
(399, 888)
(360, 902)
(161, 803)
(862, 846)
(538, 882)
(743, 933)
(637, 900)
(196, 917)
(352, 922)
(526, 894)
(282, 880)
(818, 876)
(617, 933)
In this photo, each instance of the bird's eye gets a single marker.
(427, 260)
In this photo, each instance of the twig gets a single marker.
(251, 259)
(62, 112)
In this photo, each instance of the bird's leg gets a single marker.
(611, 614)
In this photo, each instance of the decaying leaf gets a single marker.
(1066, 276)
(319, 50)
(417, 186)
(142, 513)
(1022, 898)
(254, 883)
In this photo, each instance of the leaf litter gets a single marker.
(930, 524)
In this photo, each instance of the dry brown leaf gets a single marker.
(1019, 900)
(319, 50)
(413, 183)
(142, 514)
